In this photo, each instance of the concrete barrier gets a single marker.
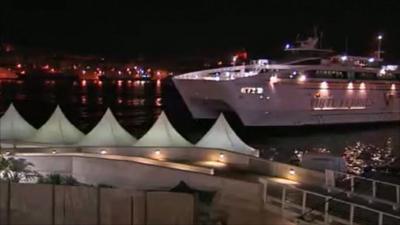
(137, 176)
(64, 205)
(4, 202)
(165, 208)
(31, 203)
(76, 205)
(189, 154)
(281, 170)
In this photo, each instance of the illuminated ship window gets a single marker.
(251, 90)
(327, 104)
(330, 74)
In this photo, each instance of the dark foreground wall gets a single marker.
(50, 204)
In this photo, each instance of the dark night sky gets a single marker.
(177, 29)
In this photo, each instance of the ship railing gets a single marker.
(371, 189)
(308, 207)
(224, 73)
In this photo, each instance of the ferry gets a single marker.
(311, 86)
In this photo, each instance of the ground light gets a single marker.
(292, 171)
(350, 86)
(324, 85)
(302, 78)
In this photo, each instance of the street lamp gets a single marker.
(380, 37)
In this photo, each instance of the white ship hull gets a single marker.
(291, 102)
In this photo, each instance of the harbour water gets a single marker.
(137, 104)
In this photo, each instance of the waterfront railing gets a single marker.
(317, 208)
(371, 189)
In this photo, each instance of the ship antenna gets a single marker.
(321, 35)
(315, 31)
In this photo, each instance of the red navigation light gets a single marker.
(241, 55)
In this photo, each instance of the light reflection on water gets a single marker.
(137, 104)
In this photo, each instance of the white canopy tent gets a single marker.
(108, 132)
(14, 127)
(162, 134)
(222, 136)
(58, 130)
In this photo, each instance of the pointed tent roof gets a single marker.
(108, 132)
(222, 136)
(14, 127)
(58, 130)
(163, 134)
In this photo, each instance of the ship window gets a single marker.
(366, 76)
(251, 90)
(329, 74)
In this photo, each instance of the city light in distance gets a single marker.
(362, 86)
